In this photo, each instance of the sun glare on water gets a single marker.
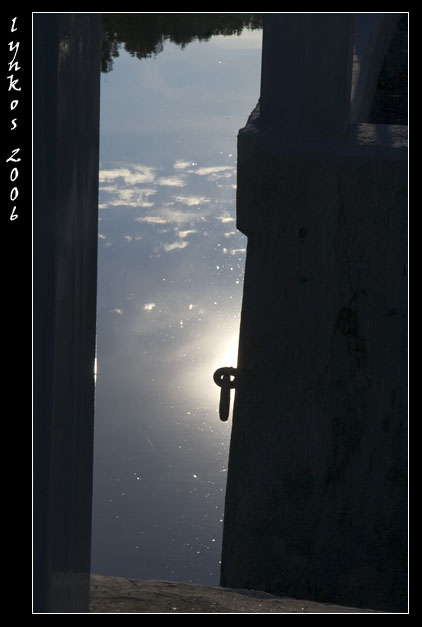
(228, 355)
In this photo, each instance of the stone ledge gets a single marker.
(127, 596)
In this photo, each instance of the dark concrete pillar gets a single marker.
(316, 500)
(306, 74)
(66, 140)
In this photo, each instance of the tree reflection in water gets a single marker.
(143, 34)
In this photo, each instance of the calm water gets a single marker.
(170, 279)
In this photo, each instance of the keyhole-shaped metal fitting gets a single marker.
(223, 378)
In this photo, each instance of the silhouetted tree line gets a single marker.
(144, 34)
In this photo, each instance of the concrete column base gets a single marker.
(316, 502)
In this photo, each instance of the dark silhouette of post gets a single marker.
(316, 500)
(306, 75)
(66, 134)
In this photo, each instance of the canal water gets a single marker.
(170, 279)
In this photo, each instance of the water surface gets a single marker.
(170, 277)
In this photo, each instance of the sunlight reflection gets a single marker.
(229, 352)
(213, 351)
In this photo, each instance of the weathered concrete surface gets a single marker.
(316, 501)
(121, 595)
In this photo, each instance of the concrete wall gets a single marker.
(66, 134)
(316, 501)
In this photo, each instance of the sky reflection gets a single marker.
(170, 278)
